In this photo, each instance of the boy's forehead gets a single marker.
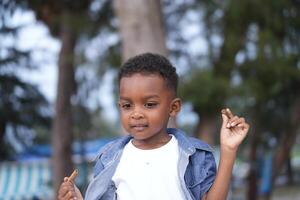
(143, 82)
(143, 78)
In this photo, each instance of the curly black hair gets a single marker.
(150, 63)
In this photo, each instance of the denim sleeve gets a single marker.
(210, 171)
(98, 167)
(200, 173)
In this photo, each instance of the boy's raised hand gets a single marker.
(233, 131)
(68, 190)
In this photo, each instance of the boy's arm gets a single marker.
(233, 131)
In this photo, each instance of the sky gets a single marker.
(34, 35)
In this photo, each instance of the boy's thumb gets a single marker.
(225, 120)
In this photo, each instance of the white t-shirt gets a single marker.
(149, 174)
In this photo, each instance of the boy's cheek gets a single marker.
(124, 123)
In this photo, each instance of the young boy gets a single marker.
(154, 162)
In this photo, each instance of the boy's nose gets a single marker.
(137, 115)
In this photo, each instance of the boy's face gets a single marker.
(146, 103)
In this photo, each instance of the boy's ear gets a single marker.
(175, 107)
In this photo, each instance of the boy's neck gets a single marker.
(152, 143)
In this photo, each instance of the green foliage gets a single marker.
(256, 69)
(205, 91)
(22, 106)
(272, 75)
(21, 103)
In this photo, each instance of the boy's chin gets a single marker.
(140, 135)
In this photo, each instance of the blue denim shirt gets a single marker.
(196, 167)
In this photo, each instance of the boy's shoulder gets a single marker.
(199, 144)
(189, 142)
(113, 146)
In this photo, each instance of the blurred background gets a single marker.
(58, 65)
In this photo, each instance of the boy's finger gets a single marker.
(227, 112)
(227, 116)
(236, 121)
(230, 121)
(62, 190)
(245, 126)
(69, 195)
(225, 120)
(65, 187)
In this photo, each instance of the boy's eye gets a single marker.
(126, 106)
(151, 105)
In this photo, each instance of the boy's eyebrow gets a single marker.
(145, 97)
(124, 98)
(151, 96)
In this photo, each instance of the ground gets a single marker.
(280, 193)
(287, 193)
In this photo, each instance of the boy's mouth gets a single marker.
(139, 127)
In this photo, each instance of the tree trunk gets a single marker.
(62, 136)
(2, 134)
(290, 172)
(283, 152)
(206, 130)
(141, 27)
(253, 174)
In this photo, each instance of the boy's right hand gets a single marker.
(69, 191)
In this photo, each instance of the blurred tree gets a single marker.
(271, 75)
(59, 17)
(70, 21)
(206, 92)
(22, 106)
(141, 27)
(257, 65)
(207, 87)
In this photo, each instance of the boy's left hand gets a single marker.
(233, 131)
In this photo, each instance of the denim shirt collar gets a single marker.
(185, 142)
(110, 153)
